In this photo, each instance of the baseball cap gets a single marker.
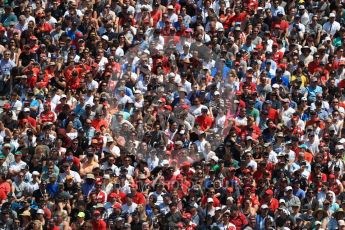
(81, 214)
(288, 188)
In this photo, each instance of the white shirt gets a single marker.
(286, 114)
(16, 167)
(129, 209)
(331, 28)
(93, 85)
(28, 19)
(196, 111)
(74, 174)
(130, 170)
(158, 196)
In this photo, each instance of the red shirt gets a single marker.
(99, 225)
(237, 18)
(313, 66)
(272, 205)
(4, 189)
(283, 25)
(156, 15)
(204, 122)
(273, 114)
(139, 198)
(101, 197)
(240, 221)
(97, 123)
(47, 117)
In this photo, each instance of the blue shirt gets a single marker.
(225, 71)
(52, 189)
(313, 91)
(72, 33)
(87, 188)
(285, 81)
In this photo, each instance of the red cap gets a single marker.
(237, 63)
(259, 47)
(113, 195)
(168, 107)
(179, 225)
(99, 182)
(94, 65)
(185, 107)
(277, 26)
(275, 44)
(96, 212)
(7, 106)
(245, 171)
(230, 189)
(331, 176)
(117, 206)
(187, 215)
(283, 66)
(179, 177)
(32, 37)
(133, 185)
(78, 34)
(231, 169)
(269, 192)
(185, 164)
(163, 100)
(2, 28)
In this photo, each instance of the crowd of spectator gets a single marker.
(172, 115)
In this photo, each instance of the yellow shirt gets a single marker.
(303, 78)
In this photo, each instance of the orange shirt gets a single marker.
(204, 122)
(5, 188)
(98, 123)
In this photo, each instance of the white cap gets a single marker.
(137, 91)
(282, 201)
(106, 176)
(165, 162)
(171, 75)
(170, 7)
(215, 158)
(147, 52)
(26, 110)
(304, 99)
(210, 200)
(339, 147)
(275, 86)
(105, 37)
(332, 15)
(35, 173)
(40, 211)
(216, 93)
(301, 7)
(264, 206)
(187, 44)
(63, 96)
(288, 188)
(341, 222)
(110, 139)
(341, 141)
